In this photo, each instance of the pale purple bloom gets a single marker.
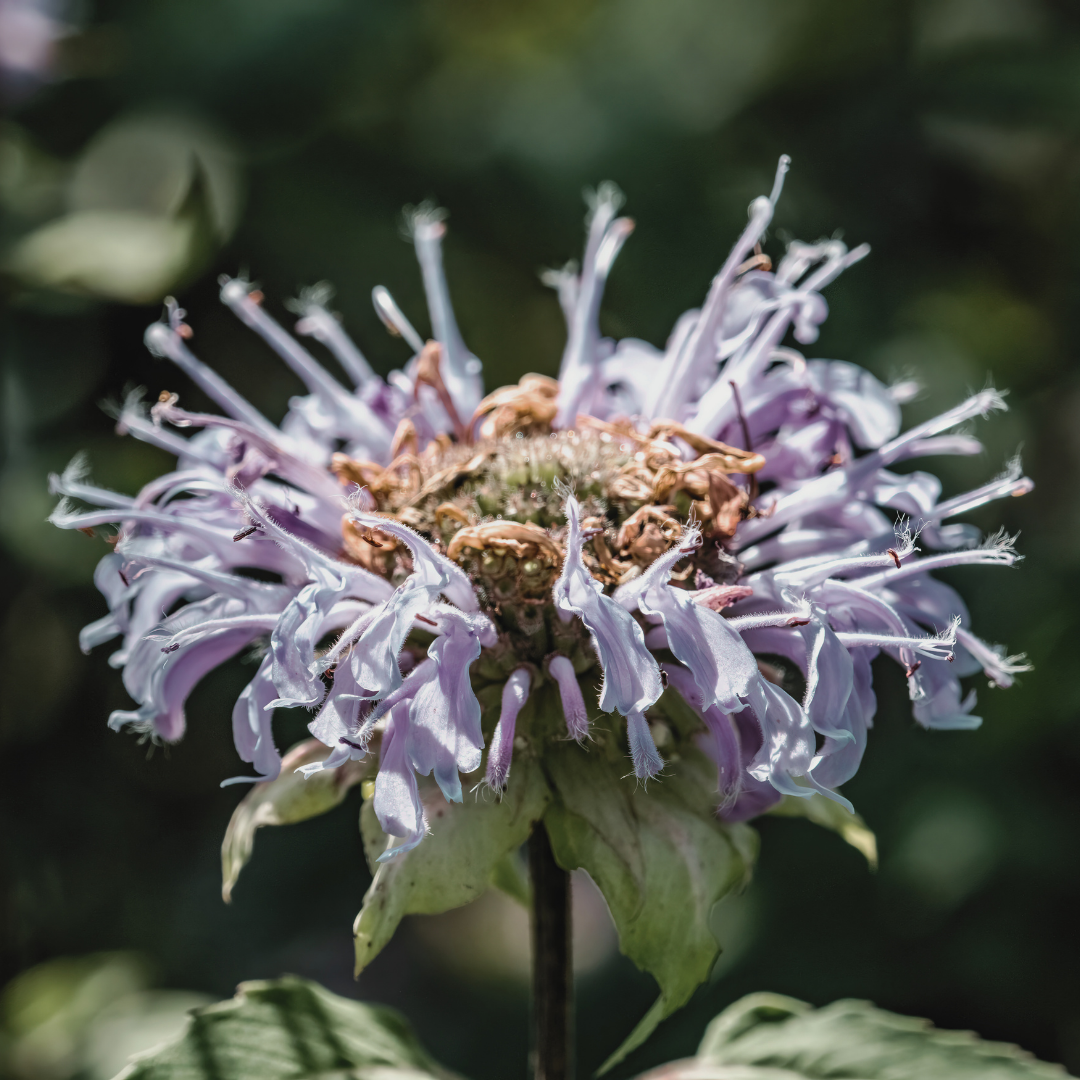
(445, 716)
(514, 695)
(631, 675)
(825, 573)
(573, 702)
(397, 797)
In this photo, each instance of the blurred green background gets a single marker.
(149, 145)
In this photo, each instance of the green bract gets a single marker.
(661, 857)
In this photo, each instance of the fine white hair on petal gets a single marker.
(646, 758)
(72, 482)
(997, 550)
(1011, 482)
(573, 702)
(998, 666)
(938, 646)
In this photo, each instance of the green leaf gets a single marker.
(453, 865)
(124, 255)
(86, 1016)
(852, 1039)
(288, 799)
(509, 876)
(288, 1028)
(832, 815)
(660, 857)
(147, 162)
(135, 241)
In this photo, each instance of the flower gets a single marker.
(716, 518)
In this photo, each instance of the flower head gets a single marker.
(716, 519)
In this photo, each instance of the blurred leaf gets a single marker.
(148, 163)
(661, 858)
(284, 801)
(832, 815)
(133, 1024)
(290, 1028)
(117, 254)
(453, 865)
(847, 1038)
(31, 181)
(48, 1010)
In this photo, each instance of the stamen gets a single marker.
(71, 483)
(235, 295)
(462, 370)
(998, 550)
(162, 340)
(321, 324)
(393, 318)
(782, 167)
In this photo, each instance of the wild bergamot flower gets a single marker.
(719, 516)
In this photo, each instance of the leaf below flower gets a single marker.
(452, 866)
(661, 858)
(284, 801)
(831, 815)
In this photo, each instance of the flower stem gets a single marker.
(553, 1056)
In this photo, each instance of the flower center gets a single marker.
(494, 506)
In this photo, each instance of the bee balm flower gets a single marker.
(652, 518)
